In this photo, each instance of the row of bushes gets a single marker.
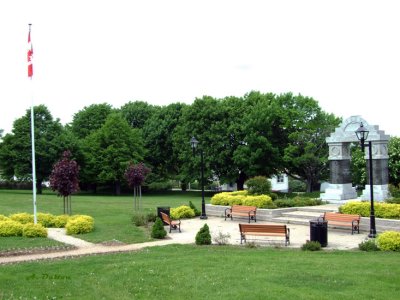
(12, 228)
(260, 201)
(76, 224)
(242, 198)
(382, 210)
(386, 241)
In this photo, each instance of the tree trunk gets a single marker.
(39, 186)
(240, 181)
(117, 188)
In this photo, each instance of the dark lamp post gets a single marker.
(193, 144)
(362, 135)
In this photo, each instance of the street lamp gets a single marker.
(193, 144)
(362, 135)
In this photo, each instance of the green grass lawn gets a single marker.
(112, 214)
(208, 272)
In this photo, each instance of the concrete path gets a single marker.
(299, 234)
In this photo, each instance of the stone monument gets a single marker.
(340, 186)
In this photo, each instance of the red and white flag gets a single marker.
(30, 55)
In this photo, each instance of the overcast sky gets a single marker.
(343, 53)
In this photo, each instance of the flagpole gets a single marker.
(30, 73)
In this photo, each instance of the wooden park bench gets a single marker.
(241, 210)
(338, 219)
(172, 224)
(264, 230)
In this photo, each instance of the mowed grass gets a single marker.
(112, 214)
(208, 272)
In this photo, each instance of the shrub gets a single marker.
(34, 230)
(261, 201)
(61, 220)
(143, 218)
(181, 212)
(196, 211)
(160, 186)
(382, 210)
(297, 185)
(222, 238)
(297, 202)
(203, 237)
(394, 191)
(4, 218)
(158, 231)
(258, 185)
(274, 196)
(389, 241)
(241, 198)
(10, 228)
(393, 200)
(368, 245)
(47, 220)
(23, 218)
(79, 224)
(311, 246)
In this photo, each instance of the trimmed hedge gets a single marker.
(23, 218)
(182, 212)
(79, 224)
(382, 210)
(241, 198)
(61, 220)
(297, 202)
(10, 228)
(47, 220)
(389, 241)
(34, 230)
(4, 218)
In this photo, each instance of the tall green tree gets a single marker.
(158, 133)
(109, 150)
(307, 127)
(394, 160)
(90, 118)
(15, 150)
(137, 113)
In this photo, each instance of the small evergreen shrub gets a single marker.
(297, 185)
(23, 218)
(34, 230)
(274, 196)
(158, 231)
(196, 211)
(4, 218)
(61, 220)
(382, 210)
(203, 237)
(389, 241)
(368, 245)
(181, 212)
(311, 246)
(10, 228)
(79, 224)
(47, 220)
(151, 217)
(259, 185)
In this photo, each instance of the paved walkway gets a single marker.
(337, 239)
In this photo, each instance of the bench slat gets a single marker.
(241, 210)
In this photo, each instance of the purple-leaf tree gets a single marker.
(135, 176)
(64, 179)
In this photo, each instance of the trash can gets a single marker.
(319, 232)
(165, 210)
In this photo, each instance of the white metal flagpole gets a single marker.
(30, 75)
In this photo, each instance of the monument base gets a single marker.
(381, 192)
(338, 192)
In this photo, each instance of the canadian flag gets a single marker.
(30, 55)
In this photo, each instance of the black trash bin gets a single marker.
(319, 232)
(165, 210)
